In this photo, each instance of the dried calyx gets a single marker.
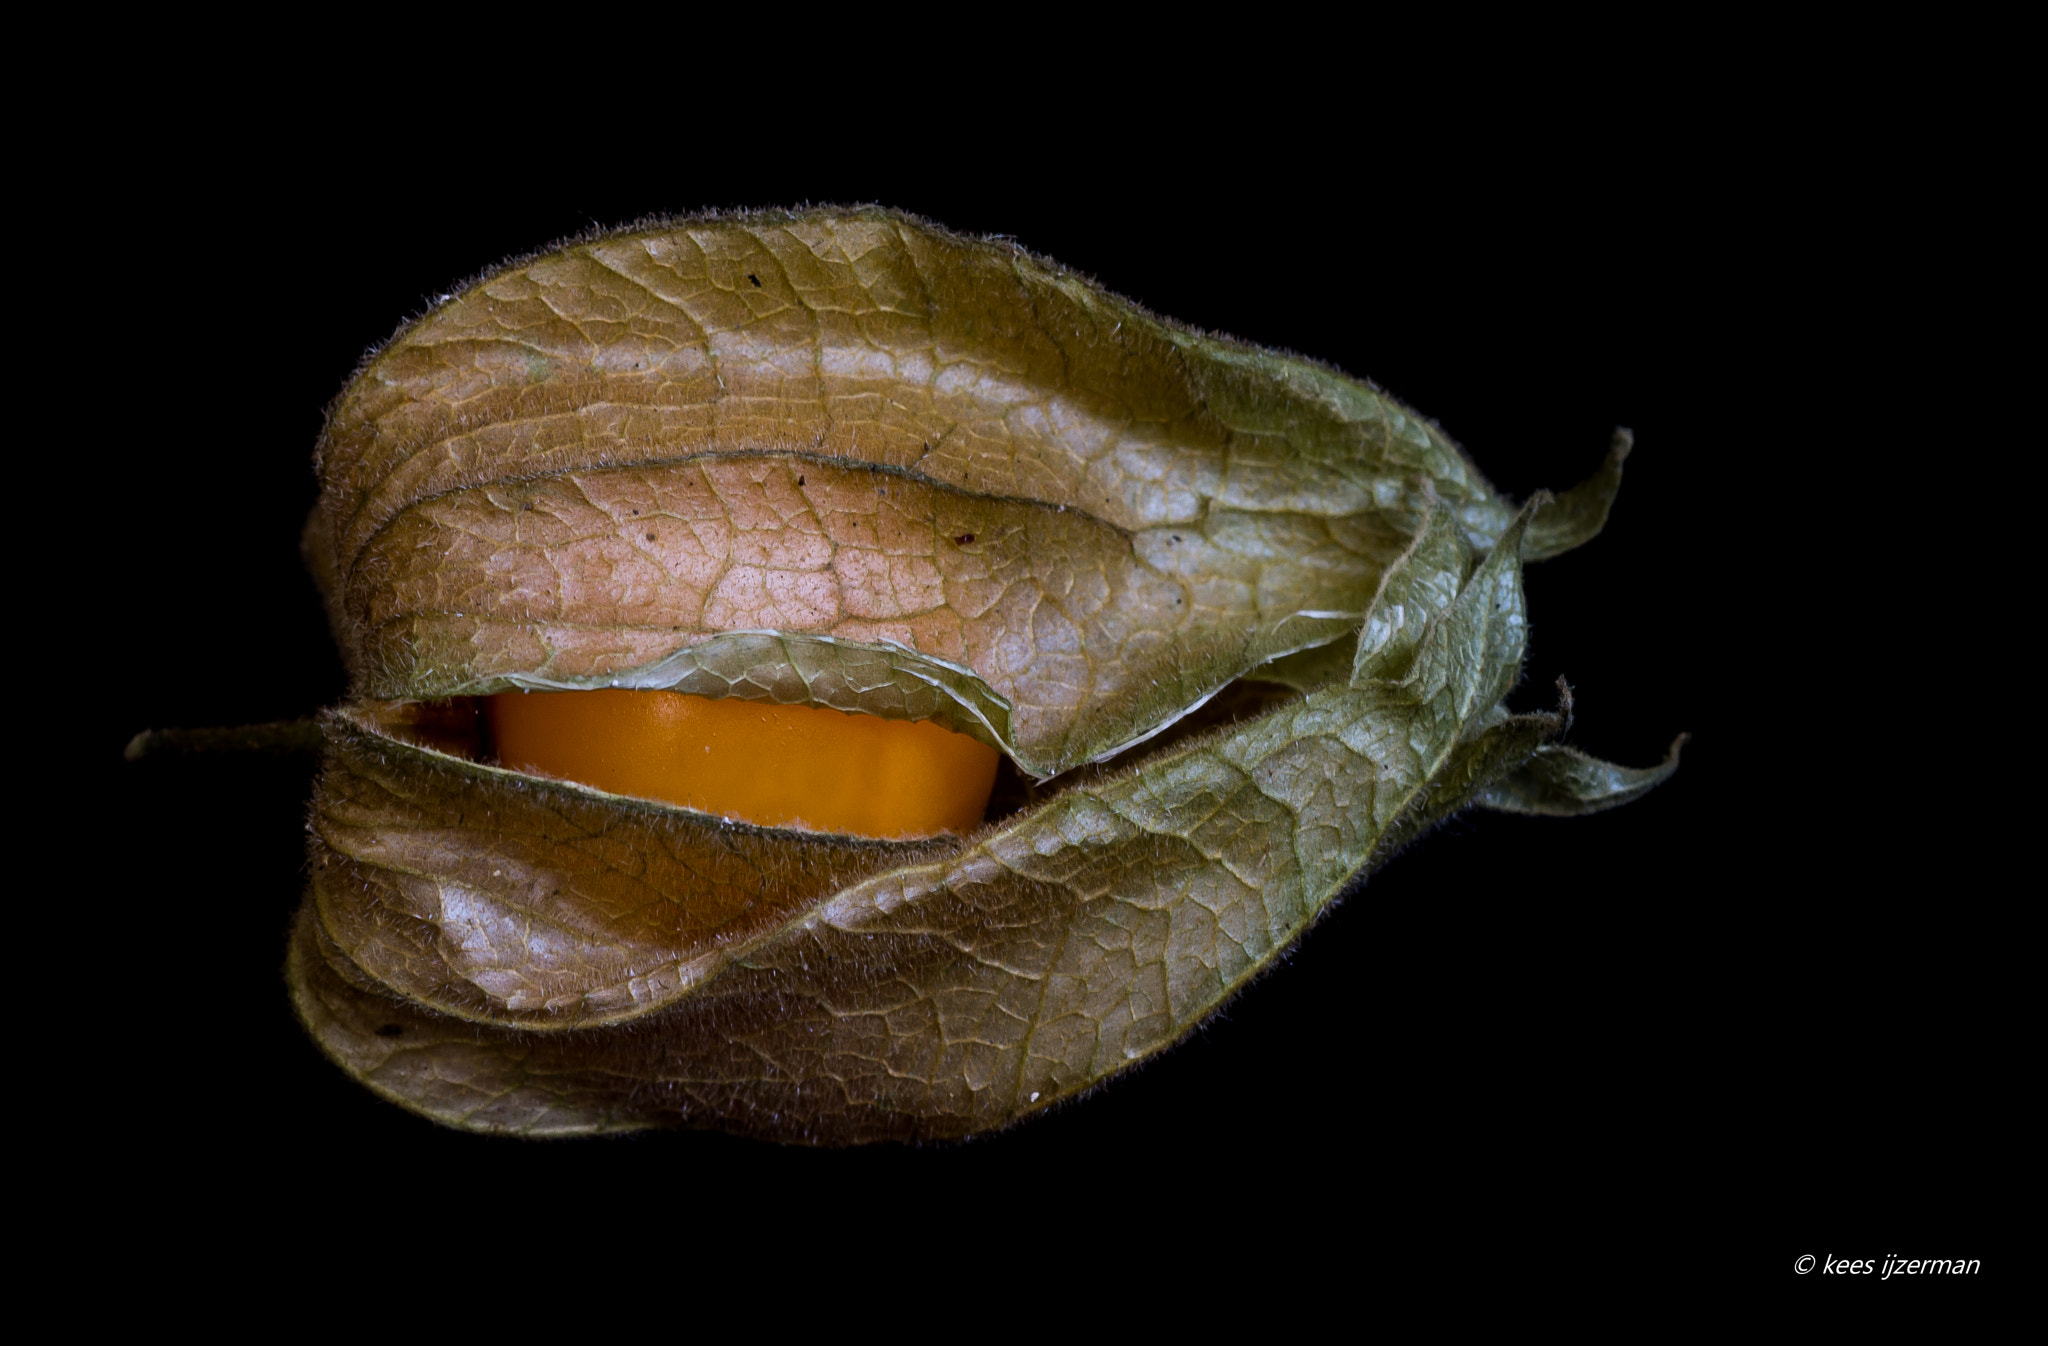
(887, 507)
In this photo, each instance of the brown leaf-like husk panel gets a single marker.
(484, 895)
(853, 423)
(1087, 635)
(869, 337)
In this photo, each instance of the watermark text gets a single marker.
(1886, 1267)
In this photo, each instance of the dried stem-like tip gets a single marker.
(281, 736)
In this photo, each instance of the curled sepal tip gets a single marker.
(1575, 517)
(1561, 782)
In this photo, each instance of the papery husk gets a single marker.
(844, 458)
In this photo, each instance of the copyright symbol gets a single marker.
(1804, 1264)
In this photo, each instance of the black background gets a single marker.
(1750, 1016)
